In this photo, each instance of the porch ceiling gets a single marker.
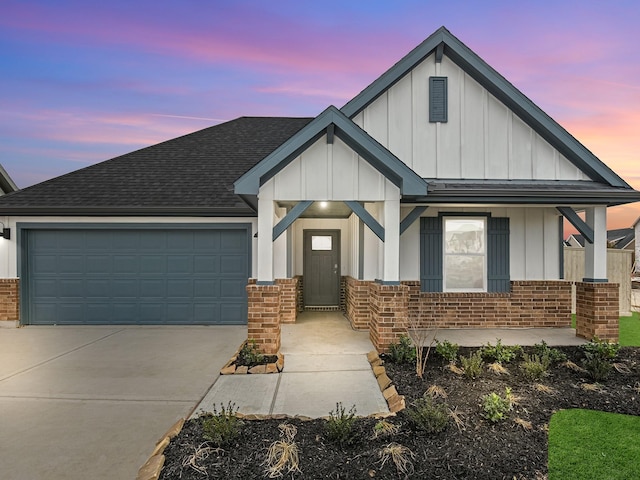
(321, 209)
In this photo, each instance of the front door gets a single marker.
(321, 268)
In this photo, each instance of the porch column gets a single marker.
(595, 254)
(266, 213)
(391, 245)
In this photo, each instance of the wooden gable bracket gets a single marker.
(411, 217)
(290, 217)
(330, 132)
(366, 217)
(439, 52)
(571, 215)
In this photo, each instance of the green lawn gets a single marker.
(594, 445)
(629, 330)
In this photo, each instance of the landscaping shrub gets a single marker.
(496, 407)
(339, 426)
(428, 416)
(472, 365)
(555, 355)
(598, 357)
(500, 353)
(249, 354)
(403, 351)
(534, 367)
(447, 350)
(222, 427)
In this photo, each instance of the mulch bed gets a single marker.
(481, 450)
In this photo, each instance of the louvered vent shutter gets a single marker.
(437, 99)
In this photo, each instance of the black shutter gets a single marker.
(498, 279)
(437, 99)
(431, 254)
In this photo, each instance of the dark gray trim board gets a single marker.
(584, 228)
(595, 280)
(367, 218)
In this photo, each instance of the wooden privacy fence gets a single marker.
(619, 266)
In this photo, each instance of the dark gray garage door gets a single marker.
(136, 276)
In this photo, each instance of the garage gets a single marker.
(127, 274)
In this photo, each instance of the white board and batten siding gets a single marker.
(534, 242)
(482, 139)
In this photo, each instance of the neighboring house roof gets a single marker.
(189, 175)
(618, 238)
(7, 185)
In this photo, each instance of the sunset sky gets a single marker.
(83, 81)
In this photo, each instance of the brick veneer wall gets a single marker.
(288, 299)
(264, 317)
(544, 303)
(300, 293)
(357, 302)
(389, 310)
(10, 299)
(597, 310)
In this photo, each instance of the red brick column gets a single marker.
(357, 303)
(288, 299)
(389, 310)
(10, 299)
(597, 310)
(264, 317)
(300, 293)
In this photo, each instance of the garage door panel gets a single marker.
(143, 276)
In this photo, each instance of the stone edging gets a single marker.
(152, 468)
(394, 400)
(230, 369)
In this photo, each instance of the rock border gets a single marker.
(231, 369)
(395, 401)
(152, 467)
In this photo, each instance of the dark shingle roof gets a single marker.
(189, 175)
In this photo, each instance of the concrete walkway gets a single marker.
(325, 363)
(91, 402)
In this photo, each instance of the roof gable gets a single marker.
(332, 122)
(442, 42)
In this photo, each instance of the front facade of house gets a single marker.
(434, 198)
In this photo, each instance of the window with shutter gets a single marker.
(437, 99)
(453, 253)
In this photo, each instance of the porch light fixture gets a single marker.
(323, 204)
(6, 232)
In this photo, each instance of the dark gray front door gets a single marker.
(321, 268)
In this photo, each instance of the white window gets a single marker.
(465, 254)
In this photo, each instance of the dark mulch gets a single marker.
(482, 450)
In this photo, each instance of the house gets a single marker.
(620, 239)
(436, 196)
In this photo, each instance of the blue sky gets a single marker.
(84, 81)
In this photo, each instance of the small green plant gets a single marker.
(472, 364)
(222, 427)
(447, 350)
(496, 407)
(403, 351)
(598, 357)
(500, 353)
(534, 367)
(283, 454)
(555, 355)
(428, 416)
(384, 428)
(249, 354)
(339, 426)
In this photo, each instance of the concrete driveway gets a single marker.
(90, 402)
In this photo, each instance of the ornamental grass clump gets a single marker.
(222, 427)
(282, 454)
(534, 366)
